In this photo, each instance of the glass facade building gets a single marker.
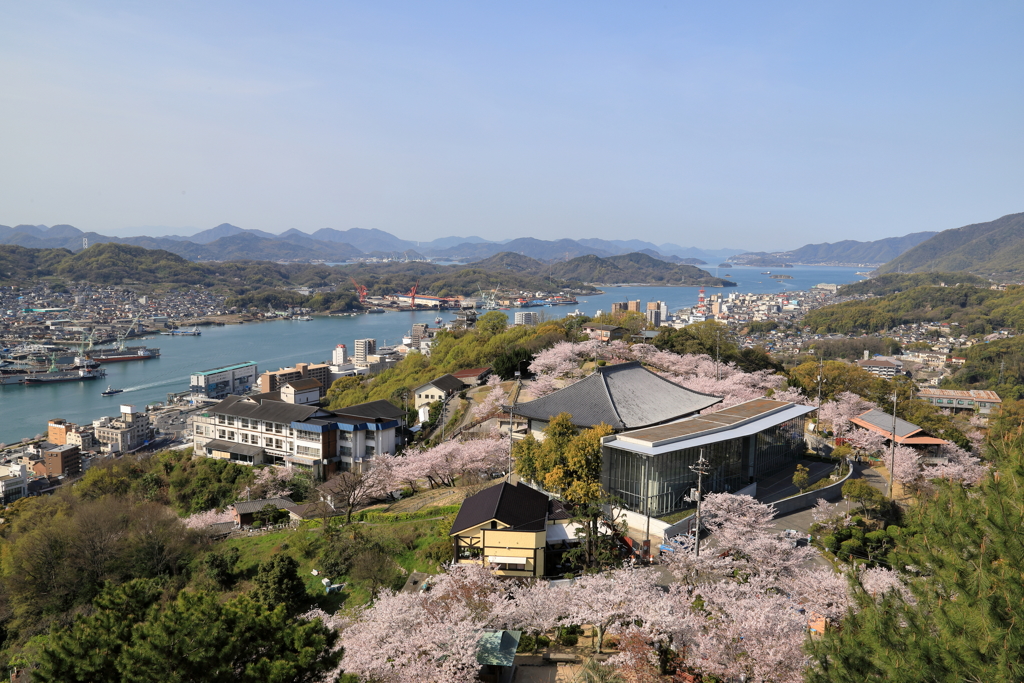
(654, 474)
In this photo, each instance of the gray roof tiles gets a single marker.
(625, 396)
(884, 422)
(249, 506)
(446, 383)
(519, 506)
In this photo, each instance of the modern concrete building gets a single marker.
(650, 469)
(633, 306)
(604, 333)
(301, 391)
(58, 460)
(340, 355)
(883, 367)
(218, 383)
(364, 348)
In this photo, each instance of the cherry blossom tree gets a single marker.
(201, 520)
(609, 597)
(961, 466)
(838, 413)
(443, 464)
(906, 465)
(492, 403)
(867, 441)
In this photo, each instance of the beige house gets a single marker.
(515, 530)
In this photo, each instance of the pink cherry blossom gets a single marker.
(201, 520)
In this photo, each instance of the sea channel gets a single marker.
(24, 410)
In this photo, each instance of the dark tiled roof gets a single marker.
(446, 383)
(373, 410)
(232, 447)
(522, 508)
(625, 396)
(300, 384)
(268, 411)
(248, 506)
(471, 373)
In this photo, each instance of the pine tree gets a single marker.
(960, 621)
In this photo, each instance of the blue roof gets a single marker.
(239, 366)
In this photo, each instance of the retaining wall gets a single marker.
(806, 500)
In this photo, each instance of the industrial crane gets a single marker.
(412, 295)
(361, 291)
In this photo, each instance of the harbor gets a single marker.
(279, 343)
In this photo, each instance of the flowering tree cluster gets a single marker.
(201, 520)
(492, 403)
(443, 464)
(838, 413)
(745, 613)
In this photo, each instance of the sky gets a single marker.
(750, 125)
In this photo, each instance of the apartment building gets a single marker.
(526, 318)
(13, 482)
(128, 432)
(273, 380)
(974, 400)
(58, 460)
(364, 348)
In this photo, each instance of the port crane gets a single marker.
(361, 291)
(412, 295)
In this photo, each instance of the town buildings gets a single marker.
(13, 482)
(526, 318)
(438, 389)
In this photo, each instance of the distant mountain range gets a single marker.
(229, 242)
(995, 249)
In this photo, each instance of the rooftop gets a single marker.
(736, 421)
(905, 432)
(226, 368)
(972, 394)
(372, 410)
(268, 411)
(249, 506)
(446, 383)
(519, 506)
(624, 396)
(303, 384)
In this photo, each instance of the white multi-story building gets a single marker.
(261, 431)
(125, 433)
(13, 482)
(218, 383)
(526, 318)
(364, 349)
(340, 355)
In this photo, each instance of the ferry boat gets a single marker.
(64, 376)
(376, 310)
(304, 318)
(110, 391)
(124, 354)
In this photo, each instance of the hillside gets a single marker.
(994, 248)
(634, 268)
(976, 310)
(851, 251)
(898, 282)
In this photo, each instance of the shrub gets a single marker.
(851, 548)
(543, 641)
(527, 643)
(570, 639)
(257, 524)
(830, 543)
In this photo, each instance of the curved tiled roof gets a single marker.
(625, 396)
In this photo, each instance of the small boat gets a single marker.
(304, 318)
(437, 320)
(376, 310)
(110, 391)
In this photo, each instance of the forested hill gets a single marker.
(634, 268)
(994, 248)
(899, 282)
(976, 309)
(851, 251)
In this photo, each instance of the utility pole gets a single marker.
(892, 448)
(701, 468)
(511, 409)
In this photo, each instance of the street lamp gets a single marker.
(511, 419)
(892, 447)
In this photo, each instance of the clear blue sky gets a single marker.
(749, 125)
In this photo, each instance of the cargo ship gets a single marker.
(194, 332)
(64, 376)
(123, 354)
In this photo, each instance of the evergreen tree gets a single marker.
(960, 621)
(278, 583)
